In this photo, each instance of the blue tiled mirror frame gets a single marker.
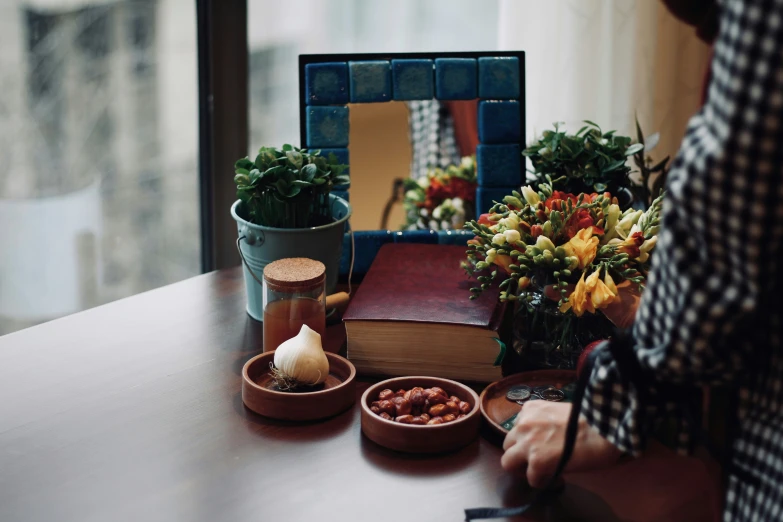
(328, 82)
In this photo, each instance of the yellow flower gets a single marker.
(591, 294)
(601, 295)
(583, 246)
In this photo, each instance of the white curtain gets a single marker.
(606, 61)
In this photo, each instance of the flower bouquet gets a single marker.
(444, 200)
(576, 264)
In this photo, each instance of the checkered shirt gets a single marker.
(711, 312)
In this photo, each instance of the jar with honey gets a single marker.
(294, 294)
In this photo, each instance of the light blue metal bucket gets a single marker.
(260, 246)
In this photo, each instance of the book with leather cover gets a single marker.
(412, 316)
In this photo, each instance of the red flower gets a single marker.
(536, 230)
(463, 189)
(484, 220)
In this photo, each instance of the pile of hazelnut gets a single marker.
(419, 406)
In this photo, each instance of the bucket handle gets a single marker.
(350, 268)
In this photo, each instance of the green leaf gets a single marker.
(242, 171)
(309, 172)
(295, 158)
(592, 123)
(301, 183)
(633, 149)
(639, 134)
(282, 186)
(241, 180)
(319, 181)
(287, 147)
(599, 187)
(293, 191)
(243, 163)
(342, 180)
(580, 131)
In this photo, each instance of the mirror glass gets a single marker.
(394, 144)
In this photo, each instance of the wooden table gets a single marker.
(132, 411)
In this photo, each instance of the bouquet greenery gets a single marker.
(580, 251)
(288, 187)
(443, 200)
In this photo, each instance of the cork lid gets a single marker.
(294, 273)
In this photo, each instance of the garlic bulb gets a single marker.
(302, 358)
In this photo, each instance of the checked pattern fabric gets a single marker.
(711, 312)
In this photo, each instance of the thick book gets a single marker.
(412, 315)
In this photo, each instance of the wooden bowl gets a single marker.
(437, 438)
(496, 409)
(337, 395)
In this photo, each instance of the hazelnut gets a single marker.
(464, 407)
(404, 419)
(385, 395)
(375, 409)
(385, 415)
(387, 407)
(425, 416)
(402, 405)
(417, 397)
(452, 407)
(455, 399)
(436, 398)
(376, 404)
(435, 389)
(435, 420)
(419, 421)
(449, 417)
(400, 393)
(407, 395)
(438, 410)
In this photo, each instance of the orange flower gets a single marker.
(503, 261)
(584, 246)
(579, 300)
(631, 245)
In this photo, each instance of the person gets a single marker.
(711, 311)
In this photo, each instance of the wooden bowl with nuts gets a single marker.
(420, 414)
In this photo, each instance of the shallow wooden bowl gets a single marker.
(337, 395)
(438, 438)
(496, 409)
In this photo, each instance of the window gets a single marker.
(98, 153)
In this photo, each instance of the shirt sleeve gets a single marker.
(714, 265)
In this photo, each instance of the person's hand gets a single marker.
(534, 445)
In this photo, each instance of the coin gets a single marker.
(539, 389)
(552, 394)
(518, 393)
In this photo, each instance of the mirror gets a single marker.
(393, 145)
(360, 107)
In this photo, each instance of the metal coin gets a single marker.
(539, 389)
(518, 393)
(553, 395)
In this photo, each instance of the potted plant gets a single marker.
(595, 161)
(575, 264)
(285, 209)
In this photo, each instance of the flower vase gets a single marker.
(546, 338)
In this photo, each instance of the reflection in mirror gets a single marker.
(397, 148)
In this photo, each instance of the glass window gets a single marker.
(98, 153)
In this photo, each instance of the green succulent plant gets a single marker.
(288, 187)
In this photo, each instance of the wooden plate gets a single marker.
(409, 438)
(497, 409)
(338, 394)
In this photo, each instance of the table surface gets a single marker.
(132, 411)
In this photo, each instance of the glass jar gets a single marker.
(294, 294)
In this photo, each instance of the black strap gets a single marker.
(568, 447)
